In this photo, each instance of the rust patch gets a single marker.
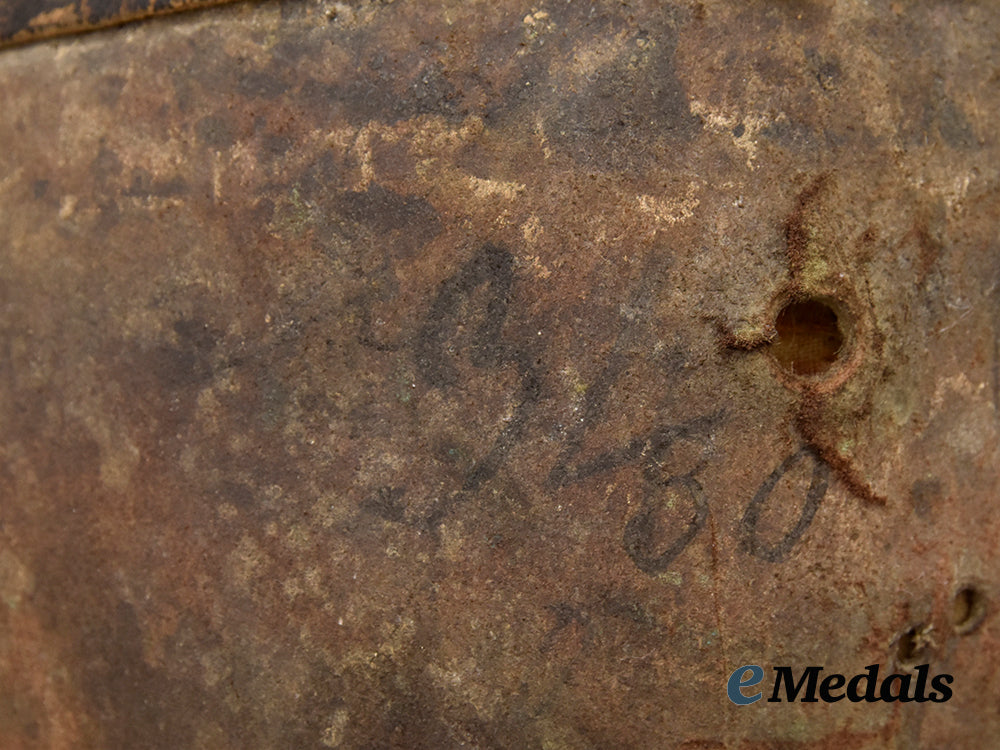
(812, 421)
(797, 237)
(398, 374)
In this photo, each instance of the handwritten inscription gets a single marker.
(641, 528)
(466, 321)
(817, 490)
(491, 267)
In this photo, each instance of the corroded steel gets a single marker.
(408, 374)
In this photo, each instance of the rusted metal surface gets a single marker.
(403, 374)
(24, 21)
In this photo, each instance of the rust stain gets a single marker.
(797, 228)
(401, 374)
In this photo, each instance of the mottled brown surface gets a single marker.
(397, 375)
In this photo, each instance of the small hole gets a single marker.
(913, 646)
(968, 610)
(809, 337)
(906, 647)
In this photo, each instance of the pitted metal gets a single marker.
(400, 374)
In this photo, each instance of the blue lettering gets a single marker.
(738, 681)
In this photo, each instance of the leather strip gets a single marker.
(24, 21)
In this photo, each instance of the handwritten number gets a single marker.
(493, 267)
(456, 306)
(640, 531)
(751, 543)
